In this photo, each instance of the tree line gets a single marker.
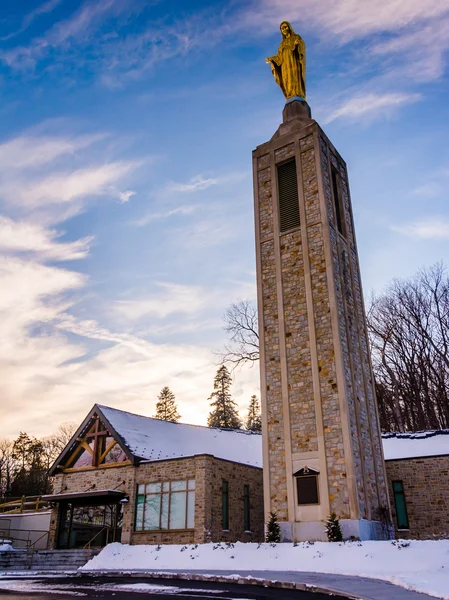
(408, 328)
(24, 462)
(224, 411)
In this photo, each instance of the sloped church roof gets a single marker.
(148, 439)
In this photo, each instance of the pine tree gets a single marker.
(333, 529)
(253, 419)
(166, 406)
(224, 411)
(273, 530)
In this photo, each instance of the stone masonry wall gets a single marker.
(237, 475)
(334, 285)
(365, 431)
(208, 473)
(120, 478)
(333, 433)
(426, 488)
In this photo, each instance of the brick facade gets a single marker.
(208, 473)
(317, 387)
(426, 488)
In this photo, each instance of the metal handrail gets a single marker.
(31, 550)
(88, 546)
(30, 503)
(27, 540)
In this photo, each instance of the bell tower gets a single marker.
(321, 436)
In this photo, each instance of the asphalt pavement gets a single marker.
(137, 588)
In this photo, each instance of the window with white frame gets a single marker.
(165, 505)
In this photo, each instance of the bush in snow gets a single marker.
(273, 530)
(333, 529)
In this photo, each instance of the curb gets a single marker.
(236, 579)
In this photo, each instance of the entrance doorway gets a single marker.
(81, 523)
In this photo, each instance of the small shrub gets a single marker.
(273, 530)
(333, 529)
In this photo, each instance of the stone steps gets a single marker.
(45, 560)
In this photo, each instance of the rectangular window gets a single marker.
(401, 507)
(246, 509)
(339, 212)
(225, 504)
(165, 505)
(307, 489)
(288, 196)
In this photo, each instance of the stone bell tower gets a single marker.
(321, 436)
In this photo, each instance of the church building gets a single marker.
(138, 480)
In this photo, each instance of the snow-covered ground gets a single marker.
(422, 566)
(5, 546)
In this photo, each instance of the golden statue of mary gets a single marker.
(289, 64)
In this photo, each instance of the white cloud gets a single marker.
(78, 26)
(200, 183)
(350, 18)
(126, 196)
(34, 238)
(172, 298)
(53, 379)
(156, 216)
(196, 184)
(44, 8)
(28, 151)
(430, 190)
(370, 105)
(62, 187)
(434, 228)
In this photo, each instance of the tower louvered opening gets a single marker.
(288, 196)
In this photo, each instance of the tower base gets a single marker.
(314, 531)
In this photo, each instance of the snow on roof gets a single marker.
(414, 445)
(154, 439)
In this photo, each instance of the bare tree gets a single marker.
(240, 323)
(409, 331)
(7, 467)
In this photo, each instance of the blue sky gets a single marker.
(126, 217)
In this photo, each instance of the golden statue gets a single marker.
(289, 64)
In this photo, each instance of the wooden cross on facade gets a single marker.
(97, 435)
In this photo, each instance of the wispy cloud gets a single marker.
(25, 237)
(157, 216)
(57, 173)
(371, 105)
(169, 193)
(429, 190)
(171, 298)
(45, 8)
(64, 33)
(350, 18)
(126, 196)
(38, 369)
(32, 151)
(433, 228)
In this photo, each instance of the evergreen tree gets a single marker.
(253, 419)
(224, 412)
(31, 477)
(333, 529)
(273, 530)
(166, 406)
